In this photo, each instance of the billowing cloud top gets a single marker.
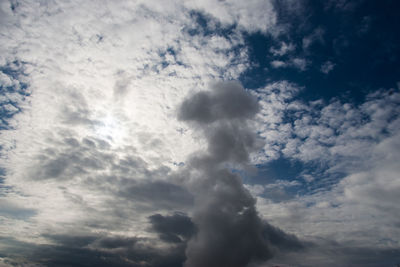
(227, 101)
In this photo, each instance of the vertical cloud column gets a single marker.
(229, 229)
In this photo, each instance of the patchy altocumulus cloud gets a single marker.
(353, 149)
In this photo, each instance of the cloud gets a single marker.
(227, 101)
(253, 16)
(342, 5)
(283, 50)
(157, 194)
(316, 36)
(275, 191)
(353, 186)
(275, 101)
(278, 64)
(99, 147)
(340, 143)
(100, 249)
(174, 228)
(100, 161)
(298, 63)
(338, 129)
(13, 210)
(88, 122)
(330, 253)
(282, 241)
(327, 67)
(229, 229)
(89, 250)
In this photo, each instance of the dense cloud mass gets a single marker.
(205, 133)
(174, 228)
(229, 229)
(93, 250)
(227, 101)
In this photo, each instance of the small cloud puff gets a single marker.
(327, 67)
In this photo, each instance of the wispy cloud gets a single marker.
(283, 49)
(316, 36)
(298, 63)
(327, 67)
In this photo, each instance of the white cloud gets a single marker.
(298, 63)
(278, 64)
(274, 102)
(316, 36)
(5, 80)
(363, 205)
(97, 141)
(283, 50)
(338, 130)
(252, 16)
(356, 149)
(327, 67)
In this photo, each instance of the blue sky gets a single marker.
(199, 133)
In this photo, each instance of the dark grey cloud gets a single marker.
(231, 142)
(227, 100)
(14, 89)
(91, 250)
(229, 230)
(331, 253)
(174, 228)
(225, 229)
(76, 111)
(128, 182)
(157, 194)
(71, 240)
(70, 158)
(116, 242)
(131, 165)
(102, 250)
(281, 240)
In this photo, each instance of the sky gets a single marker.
(200, 133)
